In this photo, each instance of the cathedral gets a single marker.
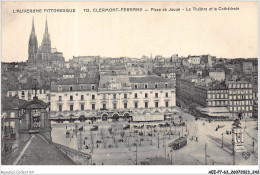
(44, 55)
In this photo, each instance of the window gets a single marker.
(71, 88)
(114, 106)
(166, 104)
(125, 105)
(60, 108)
(93, 97)
(166, 85)
(92, 87)
(60, 98)
(104, 106)
(114, 96)
(156, 95)
(12, 115)
(156, 86)
(146, 95)
(71, 107)
(71, 98)
(166, 94)
(22, 92)
(93, 106)
(82, 97)
(135, 95)
(10, 94)
(82, 107)
(146, 104)
(145, 86)
(135, 86)
(156, 104)
(125, 95)
(136, 105)
(59, 88)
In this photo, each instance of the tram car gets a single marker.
(178, 143)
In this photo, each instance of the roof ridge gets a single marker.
(55, 147)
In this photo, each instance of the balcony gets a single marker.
(10, 136)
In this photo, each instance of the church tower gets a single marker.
(44, 52)
(33, 45)
(46, 42)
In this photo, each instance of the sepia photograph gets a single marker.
(102, 84)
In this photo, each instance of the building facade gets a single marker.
(241, 98)
(112, 98)
(10, 122)
(236, 96)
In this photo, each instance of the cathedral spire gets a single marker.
(46, 26)
(33, 30)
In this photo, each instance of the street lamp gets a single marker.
(186, 126)
(222, 140)
(135, 144)
(253, 145)
(233, 145)
(171, 156)
(158, 140)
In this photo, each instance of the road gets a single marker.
(199, 133)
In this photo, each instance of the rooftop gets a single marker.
(9, 103)
(159, 161)
(37, 150)
(70, 81)
(148, 79)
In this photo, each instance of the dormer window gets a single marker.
(71, 89)
(145, 86)
(156, 86)
(92, 87)
(59, 88)
(135, 86)
(166, 85)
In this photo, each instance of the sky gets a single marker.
(226, 34)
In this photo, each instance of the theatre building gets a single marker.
(112, 98)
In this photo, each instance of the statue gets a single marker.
(237, 136)
(237, 123)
